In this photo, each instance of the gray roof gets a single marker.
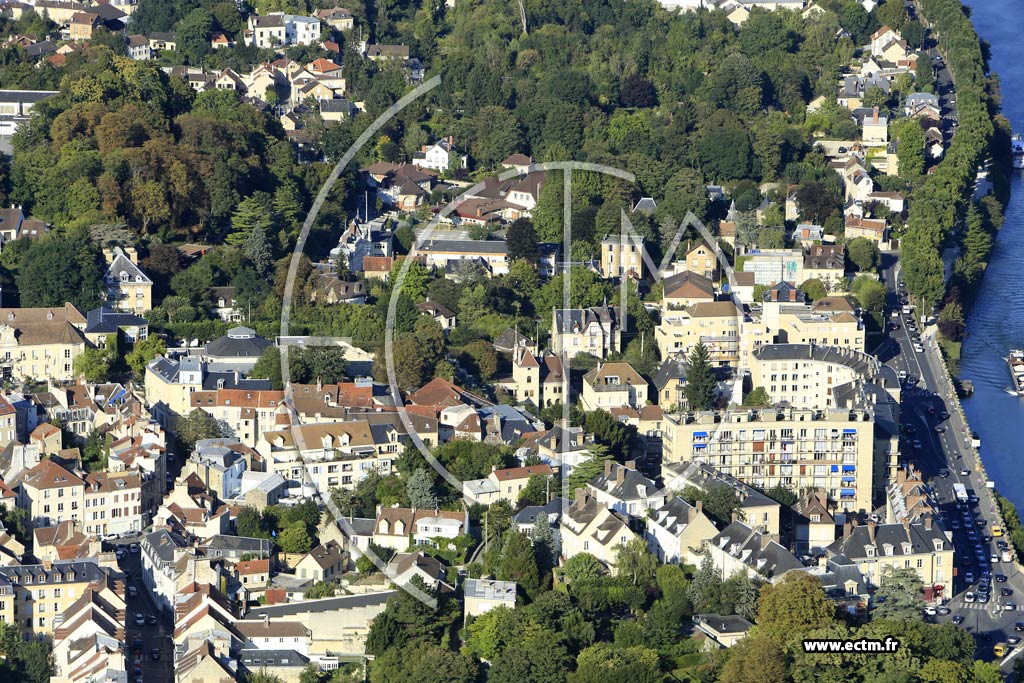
(674, 516)
(705, 476)
(920, 537)
(256, 658)
(325, 605)
(757, 551)
(465, 246)
(165, 542)
(732, 623)
(122, 265)
(670, 370)
(634, 486)
(861, 363)
(244, 544)
(41, 48)
(106, 320)
(25, 95)
(489, 589)
(84, 570)
(567, 318)
(239, 342)
(337, 105)
(528, 515)
(233, 381)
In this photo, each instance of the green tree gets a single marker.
(144, 351)
(582, 567)
(253, 212)
(295, 538)
(719, 501)
(61, 267)
(910, 150)
(635, 561)
(268, 366)
(249, 522)
(794, 606)
(705, 589)
(592, 467)
(317, 363)
(424, 663)
(700, 379)
(320, 589)
(535, 492)
(420, 490)
(900, 594)
(863, 254)
(758, 397)
(535, 655)
(521, 240)
(604, 663)
(199, 425)
(93, 364)
(813, 289)
(518, 562)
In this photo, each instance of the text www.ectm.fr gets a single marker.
(887, 646)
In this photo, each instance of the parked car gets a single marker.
(139, 619)
(958, 619)
(155, 653)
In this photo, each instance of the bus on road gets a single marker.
(960, 491)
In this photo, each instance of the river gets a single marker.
(996, 322)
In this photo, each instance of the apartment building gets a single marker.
(41, 343)
(799, 448)
(38, 595)
(921, 546)
(276, 29)
(115, 503)
(806, 375)
(50, 494)
(716, 324)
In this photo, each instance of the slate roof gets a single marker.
(165, 542)
(239, 342)
(325, 605)
(566, 319)
(757, 551)
(920, 537)
(674, 516)
(58, 324)
(670, 370)
(105, 320)
(528, 515)
(687, 284)
(633, 486)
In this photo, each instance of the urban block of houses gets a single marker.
(402, 528)
(587, 526)
(613, 385)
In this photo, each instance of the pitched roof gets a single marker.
(45, 325)
(49, 475)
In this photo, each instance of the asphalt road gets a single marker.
(922, 408)
(153, 636)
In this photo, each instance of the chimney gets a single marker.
(792, 295)
(871, 530)
(581, 499)
(928, 522)
(735, 516)
(608, 467)
(847, 529)
(874, 116)
(631, 465)
(620, 474)
(699, 505)
(775, 294)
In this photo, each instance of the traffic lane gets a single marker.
(142, 639)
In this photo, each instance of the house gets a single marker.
(138, 47)
(337, 109)
(520, 162)
(922, 104)
(386, 52)
(537, 379)
(669, 383)
(814, 524)
(253, 574)
(702, 258)
(504, 484)
(400, 528)
(224, 304)
(621, 257)
(163, 41)
(41, 342)
(330, 289)
(442, 315)
(490, 255)
(623, 489)
(739, 549)
(587, 526)
(716, 324)
(278, 29)
(888, 44)
(403, 567)
(271, 635)
(115, 502)
(676, 532)
(440, 156)
(237, 351)
(126, 286)
(104, 321)
(827, 263)
(685, 288)
(323, 563)
(921, 546)
(65, 541)
(613, 385)
(218, 41)
(50, 494)
(807, 235)
(483, 595)
(873, 229)
(875, 129)
(82, 25)
(338, 18)
(595, 330)
(722, 631)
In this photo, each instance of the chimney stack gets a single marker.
(608, 467)
(699, 505)
(874, 116)
(871, 530)
(631, 464)
(847, 529)
(928, 522)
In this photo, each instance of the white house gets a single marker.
(440, 156)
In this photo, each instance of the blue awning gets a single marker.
(849, 480)
(849, 468)
(847, 493)
(700, 435)
(700, 445)
(849, 431)
(835, 468)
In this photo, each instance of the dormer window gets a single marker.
(906, 548)
(49, 315)
(816, 519)
(124, 277)
(870, 550)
